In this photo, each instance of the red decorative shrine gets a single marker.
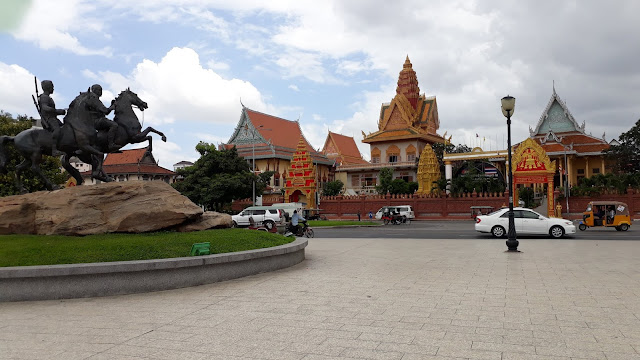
(301, 178)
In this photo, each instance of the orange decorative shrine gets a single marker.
(301, 178)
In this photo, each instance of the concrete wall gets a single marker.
(128, 277)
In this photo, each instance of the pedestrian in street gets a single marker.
(370, 215)
(358, 215)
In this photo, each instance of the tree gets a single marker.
(332, 188)
(219, 177)
(626, 156)
(50, 166)
(399, 186)
(413, 187)
(386, 176)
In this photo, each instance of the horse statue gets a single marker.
(78, 137)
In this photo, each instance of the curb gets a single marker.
(50, 282)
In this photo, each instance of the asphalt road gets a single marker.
(456, 230)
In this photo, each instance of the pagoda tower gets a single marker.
(428, 171)
(408, 84)
(301, 178)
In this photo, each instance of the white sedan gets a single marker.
(526, 221)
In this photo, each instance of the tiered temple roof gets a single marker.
(557, 131)
(270, 137)
(409, 115)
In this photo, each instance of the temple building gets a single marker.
(578, 154)
(406, 125)
(269, 143)
(570, 153)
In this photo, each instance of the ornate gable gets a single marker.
(556, 118)
(245, 132)
(531, 157)
(399, 114)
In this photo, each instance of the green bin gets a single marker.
(198, 249)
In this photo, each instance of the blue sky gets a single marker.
(330, 64)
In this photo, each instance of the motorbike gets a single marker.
(304, 230)
(395, 219)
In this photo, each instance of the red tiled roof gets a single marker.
(582, 143)
(279, 131)
(126, 157)
(133, 169)
(346, 145)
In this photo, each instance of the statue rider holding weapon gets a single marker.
(49, 114)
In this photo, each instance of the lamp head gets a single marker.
(508, 105)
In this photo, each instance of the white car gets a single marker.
(526, 221)
(262, 215)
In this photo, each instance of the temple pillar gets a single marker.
(602, 169)
(448, 174)
(550, 200)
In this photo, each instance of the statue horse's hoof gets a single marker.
(164, 138)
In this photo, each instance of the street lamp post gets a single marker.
(508, 105)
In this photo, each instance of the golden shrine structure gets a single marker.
(428, 171)
(301, 175)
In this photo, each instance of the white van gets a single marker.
(403, 210)
(289, 208)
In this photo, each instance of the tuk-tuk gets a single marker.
(606, 214)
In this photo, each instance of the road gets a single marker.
(463, 229)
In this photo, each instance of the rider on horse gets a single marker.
(100, 121)
(49, 114)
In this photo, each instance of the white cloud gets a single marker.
(293, 87)
(17, 84)
(179, 89)
(50, 24)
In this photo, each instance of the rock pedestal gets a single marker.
(131, 206)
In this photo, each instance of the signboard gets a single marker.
(530, 179)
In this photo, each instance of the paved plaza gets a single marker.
(365, 299)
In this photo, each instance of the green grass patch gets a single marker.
(320, 223)
(26, 250)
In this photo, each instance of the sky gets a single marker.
(328, 64)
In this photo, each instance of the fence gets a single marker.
(442, 206)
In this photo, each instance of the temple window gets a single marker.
(276, 181)
(393, 154)
(596, 171)
(580, 171)
(411, 153)
(369, 180)
(375, 160)
(355, 180)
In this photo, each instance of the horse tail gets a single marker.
(3, 153)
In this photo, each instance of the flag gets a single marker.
(490, 171)
(477, 135)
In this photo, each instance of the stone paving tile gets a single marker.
(372, 354)
(359, 298)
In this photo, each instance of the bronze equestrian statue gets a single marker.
(86, 133)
